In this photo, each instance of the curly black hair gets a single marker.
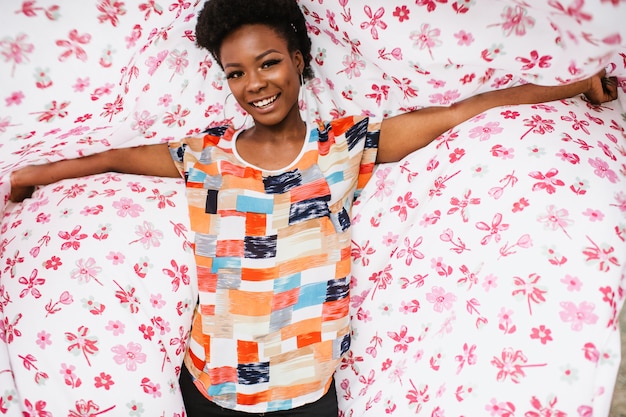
(218, 18)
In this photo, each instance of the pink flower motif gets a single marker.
(126, 207)
(131, 355)
(542, 333)
(446, 98)
(116, 327)
(573, 283)
(165, 100)
(43, 339)
(154, 62)
(516, 20)
(16, 98)
(485, 132)
(352, 66)
(16, 50)
(86, 271)
(117, 258)
(148, 235)
(177, 61)
(602, 170)
(489, 282)
(157, 301)
(390, 239)
(465, 39)
(402, 13)
(556, 219)
(578, 315)
(103, 381)
(440, 299)
(426, 38)
(594, 215)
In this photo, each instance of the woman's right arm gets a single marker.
(154, 160)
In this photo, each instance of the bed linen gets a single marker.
(488, 267)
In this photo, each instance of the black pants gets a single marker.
(197, 405)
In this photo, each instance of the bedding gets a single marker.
(488, 268)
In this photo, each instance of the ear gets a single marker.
(298, 58)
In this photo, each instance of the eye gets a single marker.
(270, 63)
(234, 74)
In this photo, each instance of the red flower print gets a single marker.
(402, 13)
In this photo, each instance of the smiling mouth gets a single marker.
(265, 102)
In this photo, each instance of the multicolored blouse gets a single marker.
(273, 263)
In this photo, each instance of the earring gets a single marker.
(231, 120)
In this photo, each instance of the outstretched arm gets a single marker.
(143, 160)
(405, 133)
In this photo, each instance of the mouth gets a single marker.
(265, 102)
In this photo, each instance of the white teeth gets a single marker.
(265, 102)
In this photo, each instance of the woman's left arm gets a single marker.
(400, 135)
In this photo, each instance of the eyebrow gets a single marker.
(257, 58)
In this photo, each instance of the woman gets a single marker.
(270, 206)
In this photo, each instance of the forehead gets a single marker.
(251, 40)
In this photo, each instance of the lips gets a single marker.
(265, 102)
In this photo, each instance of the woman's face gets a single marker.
(263, 75)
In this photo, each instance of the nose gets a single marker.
(256, 81)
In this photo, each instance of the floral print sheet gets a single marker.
(488, 267)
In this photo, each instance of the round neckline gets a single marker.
(285, 168)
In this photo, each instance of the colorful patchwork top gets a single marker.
(273, 263)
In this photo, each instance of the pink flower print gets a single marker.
(110, 11)
(86, 271)
(464, 38)
(534, 60)
(73, 45)
(126, 207)
(409, 307)
(444, 99)
(530, 289)
(573, 283)
(389, 239)
(31, 284)
(352, 66)
(462, 204)
(16, 98)
(442, 269)
(375, 21)
(154, 62)
(516, 20)
(116, 327)
(440, 299)
(484, 132)
(538, 125)
(505, 321)
(87, 408)
(576, 124)
(157, 301)
(103, 381)
(578, 315)
(493, 230)
(129, 355)
(620, 201)
(500, 409)
(69, 376)
(16, 50)
(36, 410)
(556, 219)
(84, 344)
(511, 364)
(43, 339)
(178, 62)
(151, 388)
(489, 282)
(602, 170)
(176, 117)
(594, 215)
(384, 188)
(402, 13)
(116, 258)
(165, 100)
(53, 263)
(148, 235)
(143, 122)
(547, 181)
(426, 38)
(542, 333)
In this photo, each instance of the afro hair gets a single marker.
(219, 18)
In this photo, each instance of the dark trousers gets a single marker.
(197, 405)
